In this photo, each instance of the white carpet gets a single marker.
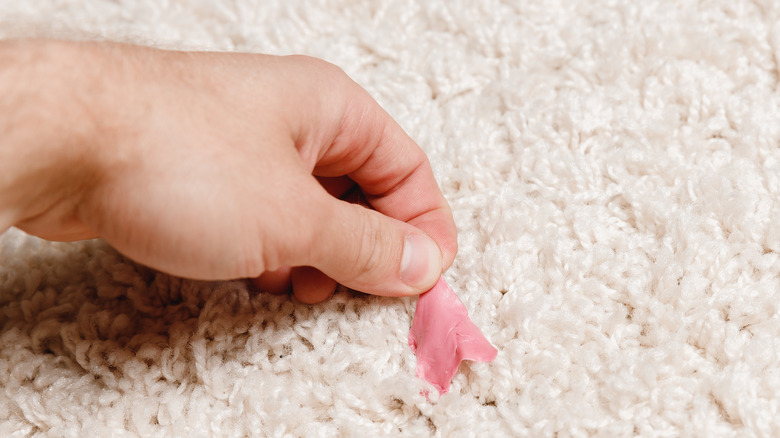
(614, 171)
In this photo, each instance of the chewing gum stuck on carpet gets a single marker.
(442, 336)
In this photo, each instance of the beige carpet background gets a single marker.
(614, 171)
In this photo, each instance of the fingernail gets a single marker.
(420, 262)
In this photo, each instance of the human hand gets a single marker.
(220, 166)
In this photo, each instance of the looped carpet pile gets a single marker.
(614, 171)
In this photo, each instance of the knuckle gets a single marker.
(316, 66)
(371, 255)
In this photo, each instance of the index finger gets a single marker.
(391, 169)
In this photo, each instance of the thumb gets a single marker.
(373, 253)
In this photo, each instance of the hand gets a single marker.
(220, 166)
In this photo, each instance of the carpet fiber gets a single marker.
(614, 171)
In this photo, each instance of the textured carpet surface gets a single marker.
(614, 172)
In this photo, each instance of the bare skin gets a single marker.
(218, 166)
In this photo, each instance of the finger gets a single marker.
(276, 282)
(391, 170)
(312, 286)
(373, 253)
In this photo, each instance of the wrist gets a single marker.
(49, 127)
